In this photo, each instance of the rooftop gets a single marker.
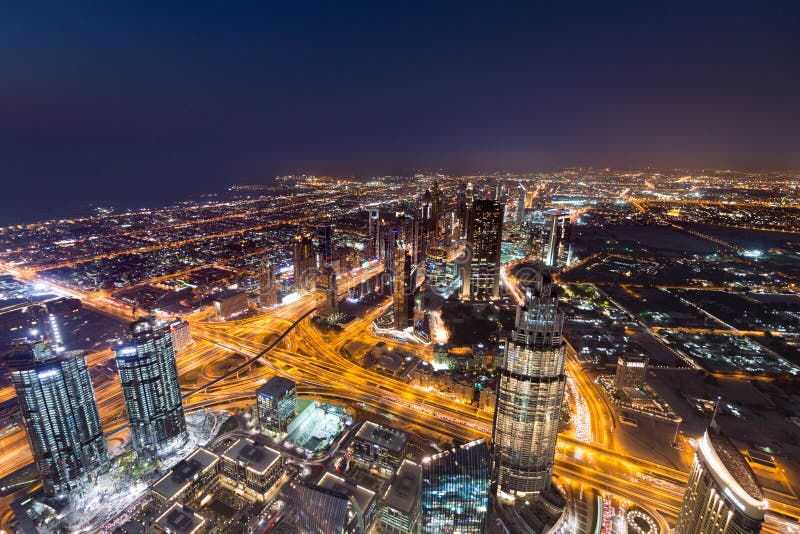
(362, 496)
(736, 465)
(179, 477)
(275, 387)
(180, 519)
(404, 490)
(255, 456)
(388, 438)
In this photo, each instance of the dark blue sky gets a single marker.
(146, 102)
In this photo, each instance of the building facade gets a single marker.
(149, 377)
(304, 260)
(529, 397)
(481, 278)
(403, 290)
(59, 413)
(723, 495)
(276, 403)
(267, 295)
(455, 490)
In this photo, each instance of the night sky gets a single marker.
(149, 103)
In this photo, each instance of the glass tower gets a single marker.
(723, 495)
(481, 278)
(59, 412)
(149, 377)
(455, 490)
(529, 397)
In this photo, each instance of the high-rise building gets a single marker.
(379, 447)
(521, 193)
(324, 246)
(276, 403)
(327, 294)
(558, 240)
(400, 506)
(149, 377)
(436, 208)
(373, 245)
(529, 397)
(305, 267)
(481, 278)
(267, 296)
(455, 490)
(723, 495)
(59, 413)
(403, 294)
(181, 334)
(631, 371)
(461, 208)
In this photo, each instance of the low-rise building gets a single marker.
(229, 304)
(251, 467)
(188, 480)
(180, 519)
(400, 506)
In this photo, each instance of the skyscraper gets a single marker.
(327, 296)
(481, 278)
(304, 259)
(722, 495)
(403, 294)
(59, 412)
(373, 245)
(436, 208)
(461, 208)
(521, 193)
(558, 239)
(149, 377)
(324, 245)
(455, 490)
(529, 397)
(276, 403)
(267, 296)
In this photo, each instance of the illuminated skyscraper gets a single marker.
(267, 296)
(461, 208)
(455, 490)
(305, 266)
(373, 245)
(403, 294)
(324, 246)
(149, 377)
(521, 193)
(481, 279)
(59, 412)
(529, 397)
(436, 208)
(558, 240)
(723, 495)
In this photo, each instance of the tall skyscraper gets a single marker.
(436, 208)
(373, 245)
(461, 208)
(267, 295)
(403, 294)
(529, 397)
(558, 239)
(305, 263)
(521, 193)
(723, 495)
(324, 245)
(455, 490)
(327, 296)
(59, 413)
(481, 278)
(149, 377)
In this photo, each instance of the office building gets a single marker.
(400, 509)
(180, 519)
(230, 304)
(251, 468)
(181, 334)
(327, 295)
(373, 249)
(723, 495)
(188, 481)
(529, 397)
(276, 403)
(631, 371)
(59, 413)
(481, 279)
(403, 290)
(461, 209)
(324, 246)
(305, 267)
(521, 194)
(149, 377)
(455, 490)
(379, 447)
(363, 500)
(267, 295)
